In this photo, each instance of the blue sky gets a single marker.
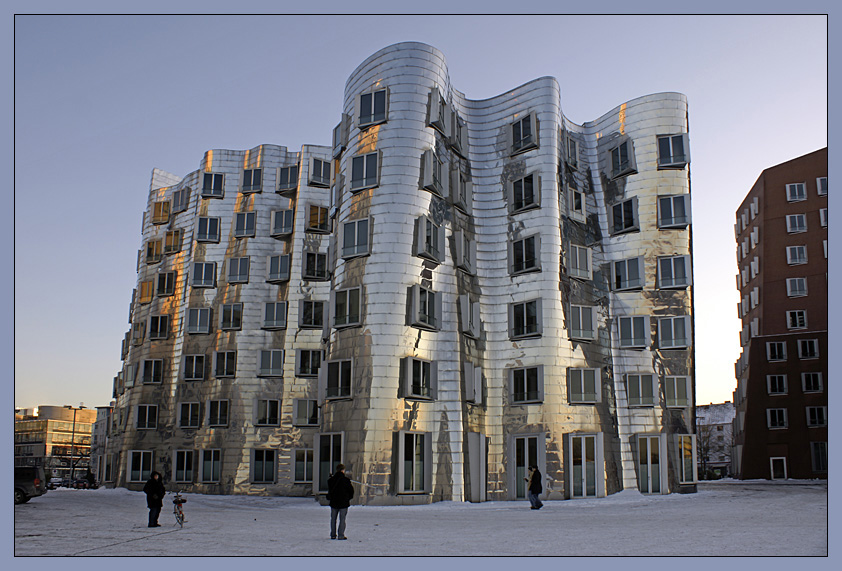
(102, 100)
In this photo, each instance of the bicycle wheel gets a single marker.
(179, 516)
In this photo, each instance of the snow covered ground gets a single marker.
(725, 518)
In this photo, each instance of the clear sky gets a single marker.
(99, 101)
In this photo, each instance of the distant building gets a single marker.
(714, 439)
(56, 437)
(453, 291)
(99, 442)
(780, 429)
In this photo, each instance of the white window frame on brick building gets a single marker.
(776, 418)
(796, 192)
(796, 223)
(776, 385)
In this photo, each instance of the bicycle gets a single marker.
(177, 510)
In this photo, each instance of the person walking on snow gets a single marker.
(534, 487)
(155, 491)
(339, 494)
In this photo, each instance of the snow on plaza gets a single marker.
(724, 518)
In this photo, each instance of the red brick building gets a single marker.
(780, 428)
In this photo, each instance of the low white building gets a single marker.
(714, 439)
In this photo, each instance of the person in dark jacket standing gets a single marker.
(339, 494)
(155, 491)
(534, 488)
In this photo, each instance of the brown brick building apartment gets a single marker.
(780, 429)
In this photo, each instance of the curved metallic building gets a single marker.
(458, 289)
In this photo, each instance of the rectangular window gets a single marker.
(365, 171)
(346, 307)
(212, 185)
(796, 192)
(198, 320)
(145, 292)
(572, 153)
(673, 272)
(429, 239)
(194, 367)
(671, 151)
(339, 374)
(808, 348)
(419, 378)
(583, 385)
(524, 255)
(218, 413)
(433, 177)
(161, 212)
(140, 465)
(303, 466)
(340, 136)
(677, 391)
(183, 470)
(472, 379)
(278, 268)
(776, 384)
(461, 190)
(355, 238)
(211, 464)
(287, 178)
(525, 193)
(275, 315)
(180, 200)
(466, 252)
(147, 416)
(640, 389)
(525, 319)
(282, 222)
(823, 217)
(580, 262)
(796, 287)
(796, 223)
(634, 332)
(582, 322)
(189, 415)
(525, 134)
(796, 319)
(776, 418)
(674, 211)
(796, 255)
(469, 314)
(438, 112)
(307, 362)
(776, 351)
(138, 333)
(628, 274)
(226, 364)
(821, 184)
(686, 458)
(526, 384)
(232, 316)
(243, 224)
(425, 308)
(204, 274)
(153, 371)
(818, 451)
(623, 160)
(208, 230)
(576, 204)
(319, 173)
(624, 216)
(306, 412)
(312, 314)
(315, 266)
(816, 416)
(159, 326)
(263, 466)
(373, 107)
(172, 241)
(415, 463)
(268, 412)
(154, 251)
(252, 180)
(330, 454)
(317, 219)
(674, 332)
(271, 363)
(811, 382)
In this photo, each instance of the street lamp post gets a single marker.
(73, 439)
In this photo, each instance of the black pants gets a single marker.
(153, 516)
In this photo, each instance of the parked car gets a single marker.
(29, 483)
(53, 483)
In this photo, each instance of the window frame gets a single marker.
(183, 466)
(245, 224)
(426, 387)
(642, 398)
(673, 161)
(526, 396)
(267, 412)
(472, 381)
(224, 364)
(319, 179)
(154, 251)
(275, 367)
(469, 312)
(146, 416)
(515, 206)
(231, 317)
(372, 117)
(344, 386)
(269, 466)
(252, 180)
(518, 247)
(281, 275)
(314, 266)
(574, 260)
(625, 226)
(303, 312)
(796, 191)
(576, 196)
(356, 249)
(159, 327)
(153, 371)
(775, 355)
(577, 312)
(672, 282)
(210, 459)
(635, 343)
(430, 240)
(345, 319)
(210, 235)
(236, 274)
(367, 181)
(796, 223)
(216, 415)
(629, 284)
(466, 252)
(287, 178)
(667, 325)
(307, 419)
(777, 385)
(407, 444)
(809, 389)
(213, 190)
(777, 418)
(304, 362)
(816, 419)
(194, 417)
(144, 471)
(180, 200)
(420, 298)
(322, 225)
(617, 166)
(672, 395)
(673, 221)
(804, 355)
(819, 185)
(287, 218)
(795, 260)
(193, 360)
(796, 319)
(172, 241)
(577, 383)
(687, 467)
(522, 328)
(195, 280)
(308, 458)
(275, 323)
(520, 143)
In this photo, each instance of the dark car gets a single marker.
(29, 483)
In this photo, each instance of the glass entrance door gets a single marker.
(584, 466)
(649, 464)
(526, 454)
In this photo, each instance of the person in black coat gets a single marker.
(339, 494)
(534, 488)
(155, 491)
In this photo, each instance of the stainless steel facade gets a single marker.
(501, 287)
